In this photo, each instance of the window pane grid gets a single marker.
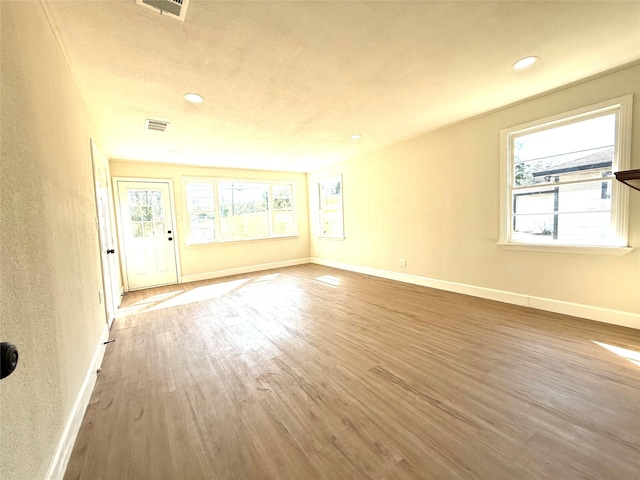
(596, 180)
(530, 189)
(145, 213)
(560, 213)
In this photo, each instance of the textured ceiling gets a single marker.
(287, 83)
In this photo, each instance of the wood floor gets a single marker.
(314, 373)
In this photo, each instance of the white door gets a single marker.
(148, 234)
(114, 254)
(105, 236)
(107, 251)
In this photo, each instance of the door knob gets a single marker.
(8, 359)
(170, 238)
(111, 251)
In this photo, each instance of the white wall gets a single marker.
(50, 271)
(434, 200)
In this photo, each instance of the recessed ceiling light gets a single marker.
(193, 98)
(355, 136)
(524, 63)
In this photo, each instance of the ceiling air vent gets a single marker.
(172, 8)
(157, 125)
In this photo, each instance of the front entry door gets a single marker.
(148, 233)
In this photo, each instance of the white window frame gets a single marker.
(622, 106)
(216, 200)
(321, 233)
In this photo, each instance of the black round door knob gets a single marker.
(170, 238)
(8, 359)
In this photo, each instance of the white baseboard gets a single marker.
(72, 427)
(615, 317)
(240, 270)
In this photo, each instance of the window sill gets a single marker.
(246, 240)
(325, 237)
(586, 249)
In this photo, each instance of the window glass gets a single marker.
(201, 211)
(227, 210)
(244, 210)
(283, 215)
(559, 179)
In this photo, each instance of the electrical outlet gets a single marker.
(402, 262)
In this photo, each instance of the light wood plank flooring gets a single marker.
(315, 373)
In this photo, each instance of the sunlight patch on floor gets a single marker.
(208, 292)
(259, 283)
(199, 294)
(631, 355)
(329, 280)
(145, 303)
(266, 278)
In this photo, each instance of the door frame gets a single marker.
(172, 207)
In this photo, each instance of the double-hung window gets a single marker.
(558, 189)
(330, 213)
(222, 210)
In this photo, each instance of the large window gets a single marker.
(222, 210)
(558, 182)
(330, 207)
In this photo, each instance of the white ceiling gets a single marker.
(287, 83)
